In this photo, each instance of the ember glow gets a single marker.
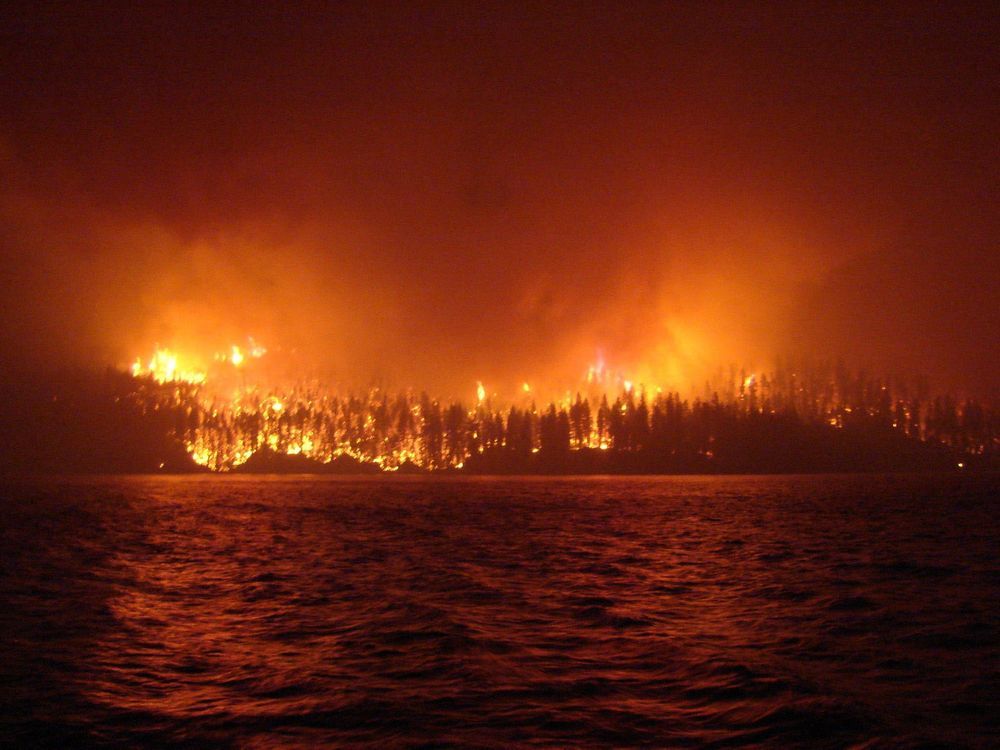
(469, 241)
(223, 421)
(502, 208)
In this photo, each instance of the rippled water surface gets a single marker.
(776, 611)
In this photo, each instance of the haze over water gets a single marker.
(785, 611)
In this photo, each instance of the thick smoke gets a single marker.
(438, 197)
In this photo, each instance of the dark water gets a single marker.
(780, 612)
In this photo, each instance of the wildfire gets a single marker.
(222, 424)
(226, 425)
(163, 367)
(237, 356)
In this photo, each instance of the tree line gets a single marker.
(793, 419)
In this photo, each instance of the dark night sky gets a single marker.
(438, 194)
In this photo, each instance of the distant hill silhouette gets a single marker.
(267, 461)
